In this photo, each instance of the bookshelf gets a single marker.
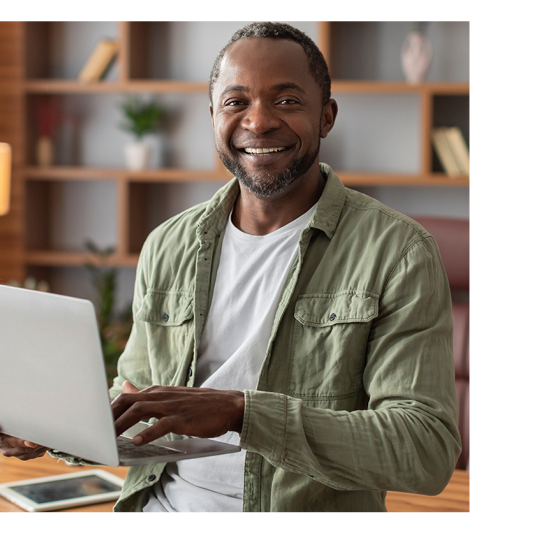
(120, 207)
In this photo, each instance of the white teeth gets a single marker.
(262, 150)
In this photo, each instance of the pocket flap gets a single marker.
(320, 310)
(166, 308)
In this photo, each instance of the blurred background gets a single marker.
(70, 179)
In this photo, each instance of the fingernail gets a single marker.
(137, 440)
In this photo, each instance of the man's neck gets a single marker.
(260, 216)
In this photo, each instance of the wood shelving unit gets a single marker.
(34, 41)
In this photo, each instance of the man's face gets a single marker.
(267, 114)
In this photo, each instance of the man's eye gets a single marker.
(234, 103)
(288, 101)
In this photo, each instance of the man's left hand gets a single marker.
(192, 411)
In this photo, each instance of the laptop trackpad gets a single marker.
(166, 440)
(183, 443)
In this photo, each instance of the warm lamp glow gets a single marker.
(5, 177)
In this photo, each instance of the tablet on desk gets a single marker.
(63, 491)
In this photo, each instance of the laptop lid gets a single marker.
(53, 385)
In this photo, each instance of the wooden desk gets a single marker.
(12, 469)
(455, 498)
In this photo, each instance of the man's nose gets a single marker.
(260, 118)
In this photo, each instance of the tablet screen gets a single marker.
(66, 489)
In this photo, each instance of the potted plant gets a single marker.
(114, 327)
(140, 118)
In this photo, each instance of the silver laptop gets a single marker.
(53, 385)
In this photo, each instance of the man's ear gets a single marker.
(329, 114)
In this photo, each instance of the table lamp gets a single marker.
(5, 177)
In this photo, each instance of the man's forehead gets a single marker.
(257, 54)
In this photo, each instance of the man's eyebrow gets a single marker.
(229, 88)
(288, 85)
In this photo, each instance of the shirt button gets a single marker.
(190, 372)
(333, 316)
(164, 318)
(151, 478)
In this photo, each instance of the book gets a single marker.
(459, 149)
(451, 150)
(444, 153)
(99, 61)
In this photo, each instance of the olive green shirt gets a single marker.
(356, 393)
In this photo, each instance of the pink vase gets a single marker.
(416, 56)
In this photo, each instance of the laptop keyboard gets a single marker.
(128, 450)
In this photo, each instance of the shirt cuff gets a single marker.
(264, 425)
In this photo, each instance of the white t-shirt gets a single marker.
(248, 287)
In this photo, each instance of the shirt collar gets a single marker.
(330, 204)
(325, 217)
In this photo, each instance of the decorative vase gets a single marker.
(416, 56)
(45, 151)
(137, 155)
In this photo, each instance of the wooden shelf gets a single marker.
(71, 173)
(133, 86)
(179, 175)
(94, 173)
(76, 259)
(355, 86)
(402, 180)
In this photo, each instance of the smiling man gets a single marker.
(268, 129)
(301, 320)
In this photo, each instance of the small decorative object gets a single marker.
(48, 117)
(141, 118)
(416, 54)
(5, 177)
(114, 328)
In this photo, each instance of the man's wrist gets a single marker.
(239, 411)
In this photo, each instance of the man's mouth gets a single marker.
(262, 151)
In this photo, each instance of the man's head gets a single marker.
(318, 67)
(270, 105)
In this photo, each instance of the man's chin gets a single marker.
(265, 183)
(262, 182)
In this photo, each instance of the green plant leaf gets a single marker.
(114, 327)
(141, 117)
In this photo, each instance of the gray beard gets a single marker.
(268, 184)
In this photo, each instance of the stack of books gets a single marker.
(99, 61)
(452, 151)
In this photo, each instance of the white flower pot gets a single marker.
(137, 156)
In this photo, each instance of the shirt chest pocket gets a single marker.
(168, 318)
(329, 344)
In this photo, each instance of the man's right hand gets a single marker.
(20, 448)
